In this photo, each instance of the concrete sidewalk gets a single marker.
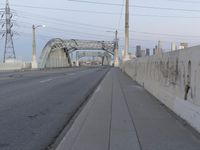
(121, 115)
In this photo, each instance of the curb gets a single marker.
(68, 124)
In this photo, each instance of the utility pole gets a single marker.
(126, 31)
(34, 59)
(9, 52)
(116, 57)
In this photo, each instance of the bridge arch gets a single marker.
(56, 51)
(105, 56)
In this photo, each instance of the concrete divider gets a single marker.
(172, 77)
(16, 65)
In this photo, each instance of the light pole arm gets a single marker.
(38, 26)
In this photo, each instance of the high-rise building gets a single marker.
(173, 46)
(154, 50)
(147, 52)
(143, 53)
(183, 45)
(159, 48)
(138, 51)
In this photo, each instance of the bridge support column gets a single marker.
(103, 59)
(77, 63)
(116, 62)
(77, 59)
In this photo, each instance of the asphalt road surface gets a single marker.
(36, 105)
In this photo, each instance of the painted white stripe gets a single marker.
(71, 74)
(98, 89)
(47, 80)
(58, 77)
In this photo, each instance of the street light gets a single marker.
(116, 57)
(34, 64)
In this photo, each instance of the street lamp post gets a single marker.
(126, 31)
(116, 57)
(116, 51)
(34, 63)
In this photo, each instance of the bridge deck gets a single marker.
(121, 115)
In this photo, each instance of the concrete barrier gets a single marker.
(16, 65)
(172, 77)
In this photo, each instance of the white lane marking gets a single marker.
(54, 78)
(137, 86)
(58, 77)
(98, 89)
(71, 74)
(83, 71)
(47, 80)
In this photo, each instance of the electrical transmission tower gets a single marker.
(7, 24)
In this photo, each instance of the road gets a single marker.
(36, 105)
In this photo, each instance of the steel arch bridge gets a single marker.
(106, 58)
(56, 52)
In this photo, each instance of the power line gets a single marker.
(100, 27)
(52, 19)
(99, 3)
(184, 1)
(138, 6)
(65, 9)
(69, 32)
(60, 22)
(121, 14)
(89, 34)
(95, 26)
(165, 16)
(165, 34)
(101, 12)
(90, 25)
(72, 31)
(167, 8)
(148, 33)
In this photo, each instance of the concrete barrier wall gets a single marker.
(18, 65)
(174, 78)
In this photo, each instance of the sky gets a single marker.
(150, 21)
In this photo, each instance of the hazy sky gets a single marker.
(150, 21)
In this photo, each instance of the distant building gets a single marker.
(154, 50)
(147, 52)
(143, 53)
(173, 46)
(138, 51)
(131, 56)
(183, 45)
(159, 48)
